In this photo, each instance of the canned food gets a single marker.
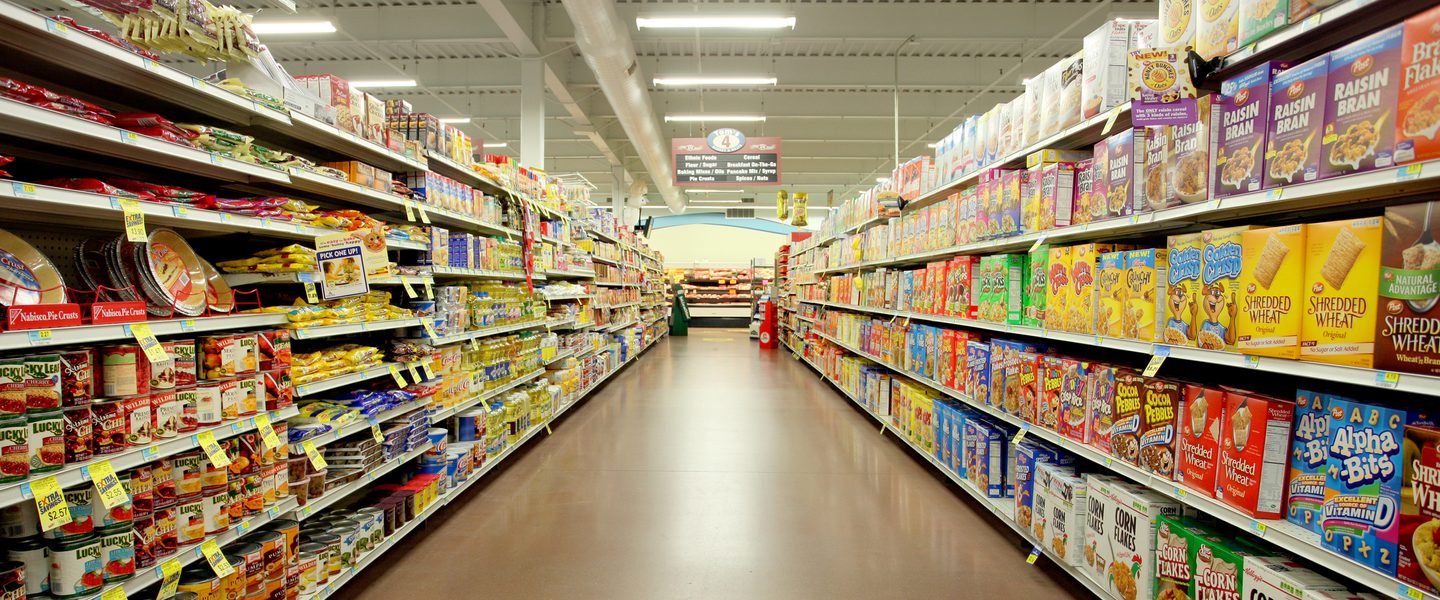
(14, 449)
(189, 417)
(217, 513)
(79, 435)
(167, 535)
(163, 472)
(138, 420)
(231, 396)
(209, 406)
(376, 527)
(274, 347)
(124, 370)
(167, 411)
(162, 372)
(42, 383)
(253, 497)
(190, 521)
(76, 567)
(237, 499)
(267, 487)
(145, 541)
(188, 473)
(82, 518)
(273, 543)
(184, 355)
(200, 580)
(213, 478)
(279, 391)
(251, 394)
(333, 562)
(35, 555)
(291, 530)
(349, 534)
(275, 589)
(12, 386)
(280, 476)
(247, 453)
(119, 516)
(45, 441)
(142, 489)
(12, 580)
(77, 377)
(317, 484)
(117, 549)
(250, 563)
(108, 427)
(309, 567)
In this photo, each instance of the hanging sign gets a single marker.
(341, 259)
(726, 157)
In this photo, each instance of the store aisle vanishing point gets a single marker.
(712, 470)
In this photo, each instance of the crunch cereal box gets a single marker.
(1254, 450)
(1144, 309)
(1417, 120)
(1363, 483)
(1199, 425)
(1159, 409)
(1244, 107)
(1407, 333)
(1057, 292)
(1129, 405)
(1271, 291)
(1364, 85)
(1420, 508)
(1111, 291)
(1292, 147)
(1219, 281)
(1074, 416)
(1309, 453)
(1342, 278)
(1182, 290)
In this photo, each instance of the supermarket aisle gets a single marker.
(708, 470)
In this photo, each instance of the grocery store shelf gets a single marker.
(615, 306)
(355, 425)
(1322, 31)
(569, 274)
(310, 333)
(605, 261)
(616, 284)
(448, 412)
(242, 279)
(321, 141)
(445, 216)
(619, 326)
(570, 297)
(485, 332)
(449, 168)
(346, 379)
(339, 493)
(87, 334)
(480, 273)
(559, 356)
(574, 325)
(602, 236)
(559, 323)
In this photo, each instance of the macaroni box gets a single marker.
(1067, 499)
(1057, 292)
(1182, 289)
(1254, 450)
(1037, 268)
(1279, 578)
(1363, 482)
(1199, 424)
(1417, 118)
(1074, 417)
(1292, 147)
(1129, 404)
(1145, 272)
(1407, 333)
(1342, 279)
(1052, 378)
(1419, 563)
(1160, 405)
(1220, 282)
(1244, 107)
(1101, 405)
(1310, 451)
(1364, 83)
(1120, 536)
(1111, 294)
(1271, 291)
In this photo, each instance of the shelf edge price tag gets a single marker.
(170, 578)
(50, 502)
(317, 460)
(430, 327)
(414, 372)
(310, 294)
(217, 561)
(424, 216)
(1024, 429)
(375, 430)
(146, 338)
(114, 593)
(409, 289)
(134, 220)
(102, 474)
(23, 190)
(40, 337)
(429, 371)
(395, 373)
(207, 443)
(1034, 555)
(1154, 366)
(1258, 527)
(1110, 122)
(1039, 241)
(1408, 172)
(429, 289)
(410, 211)
(1410, 592)
(1252, 362)
(267, 432)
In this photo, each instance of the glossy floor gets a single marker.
(709, 469)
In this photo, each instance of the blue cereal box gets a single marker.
(977, 371)
(1308, 454)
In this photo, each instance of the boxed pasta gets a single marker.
(1271, 291)
(1188, 161)
(1073, 417)
(1199, 443)
(1254, 450)
(1100, 403)
(1154, 185)
(1280, 578)
(335, 93)
(1417, 118)
(1057, 292)
(1128, 408)
(1244, 107)
(1144, 293)
(1342, 278)
(1159, 410)
(1217, 29)
(1408, 331)
(1177, 25)
(1111, 292)
(1219, 291)
(1364, 84)
(1067, 496)
(1120, 536)
(1298, 97)
(1419, 561)
(1182, 289)
(1363, 482)
(1310, 452)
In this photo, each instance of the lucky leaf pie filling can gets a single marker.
(124, 370)
(118, 551)
(46, 440)
(42, 383)
(14, 449)
(76, 567)
(82, 518)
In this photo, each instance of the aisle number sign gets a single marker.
(726, 157)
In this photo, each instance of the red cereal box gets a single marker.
(1419, 510)
(1297, 118)
(1160, 405)
(1052, 376)
(1364, 86)
(1418, 117)
(1074, 417)
(1199, 426)
(1028, 377)
(1254, 453)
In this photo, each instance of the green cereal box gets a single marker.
(1011, 275)
(1211, 566)
(1037, 269)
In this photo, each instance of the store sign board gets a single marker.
(342, 263)
(726, 157)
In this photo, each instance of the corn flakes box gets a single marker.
(1417, 119)
(1182, 289)
(1199, 437)
(1080, 306)
(1271, 291)
(1128, 408)
(1280, 578)
(1174, 575)
(1219, 287)
(1068, 496)
(1048, 407)
(1342, 279)
(1159, 409)
(1419, 510)
(1217, 29)
(1144, 308)
(1407, 335)
(1363, 483)
(1120, 534)
(1310, 451)
(1112, 295)
(1297, 99)
(1037, 267)
(1100, 403)
(1254, 450)
(1057, 292)
(1040, 498)
(1364, 84)
(1073, 417)
(1244, 107)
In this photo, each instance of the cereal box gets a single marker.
(1219, 287)
(1052, 376)
(1199, 443)
(1154, 187)
(1066, 501)
(1080, 306)
(1125, 151)
(1100, 403)
(977, 371)
(1309, 453)
(1260, 17)
(1071, 73)
(1342, 278)
(1159, 408)
(1129, 404)
(1073, 418)
(1120, 534)
(1188, 161)
(1292, 142)
(1279, 578)
(1254, 450)
(1173, 574)
(1244, 107)
(1145, 272)
(1056, 195)
(1027, 380)
(1299, 9)
(1100, 182)
(1040, 498)
(1057, 292)
(1103, 77)
(1217, 565)
(1417, 120)
(1177, 24)
(1419, 563)
(1407, 334)
(993, 461)
(1217, 31)
(1082, 210)
(1037, 268)
(1010, 279)
(1182, 289)
(1363, 482)
(1364, 83)
(1112, 294)
(1050, 119)
(1028, 456)
(1271, 291)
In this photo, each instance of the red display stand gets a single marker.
(769, 337)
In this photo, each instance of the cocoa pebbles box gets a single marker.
(1407, 332)
(1292, 146)
(1364, 86)
(1244, 107)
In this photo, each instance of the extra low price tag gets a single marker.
(217, 561)
(102, 474)
(206, 441)
(409, 288)
(1154, 366)
(169, 579)
(410, 211)
(375, 430)
(114, 593)
(429, 289)
(424, 216)
(317, 460)
(267, 432)
(425, 366)
(395, 374)
(134, 220)
(50, 502)
(1021, 435)
(414, 372)
(146, 338)
(429, 327)
(1034, 555)
(311, 295)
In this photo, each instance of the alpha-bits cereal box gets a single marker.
(1419, 563)
(1100, 404)
(1217, 32)
(1363, 483)
(1297, 123)
(1159, 409)
(1271, 291)
(1364, 85)
(1254, 453)
(1067, 500)
(1417, 120)
(1199, 445)
(1128, 407)
(1037, 272)
(1279, 578)
(1310, 450)
(1144, 309)
(1120, 536)
(1074, 416)
(1111, 294)
(1219, 287)
(1342, 279)
(1244, 107)
(1407, 333)
(1057, 291)
(1182, 290)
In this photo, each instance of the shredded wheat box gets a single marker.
(1120, 536)
(1310, 450)
(1342, 280)
(1254, 452)
(1419, 563)
(1407, 332)
(1271, 291)
(1199, 442)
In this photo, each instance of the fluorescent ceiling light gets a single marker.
(383, 83)
(719, 80)
(714, 22)
(291, 27)
(455, 120)
(713, 118)
(703, 191)
(496, 144)
(708, 201)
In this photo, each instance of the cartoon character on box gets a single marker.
(1074, 417)
(1220, 274)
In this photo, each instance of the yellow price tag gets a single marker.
(169, 578)
(425, 366)
(134, 220)
(217, 561)
(1020, 436)
(1110, 122)
(1154, 366)
(114, 593)
(311, 295)
(424, 216)
(207, 443)
(316, 459)
(409, 289)
(399, 379)
(375, 431)
(1411, 592)
(1034, 555)
(50, 502)
(102, 474)
(414, 372)
(430, 327)
(429, 289)
(474, 345)
(146, 338)
(410, 211)
(267, 431)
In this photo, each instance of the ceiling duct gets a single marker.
(604, 41)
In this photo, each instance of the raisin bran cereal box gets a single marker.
(1120, 536)
(1125, 151)
(1111, 293)
(1101, 405)
(1364, 85)
(1052, 376)
(1182, 290)
(1217, 31)
(1074, 416)
(1407, 334)
(1037, 268)
(1254, 450)
(1128, 407)
(1067, 497)
(1419, 563)
(1188, 161)
(1144, 308)
(1220, 283)
(1160, 405)
(1271, 291)
(1417, 119)
(1154, 187)
(1199, 444)
(1363, 476)
(1310, 450)
(1244, 107)
(1057, 290)
(1081, 210)
(1279, 578)
(1342, 279)
(1292, 142)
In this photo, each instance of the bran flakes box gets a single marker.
(1128, 409)
(1309, 452)
(1364, 83)
(1074, 417)
(1199, 424)
(1271, 291)
(1057, 290)
(1052, 378)
(1120, 536)
(1144, 308)
(1279, 578)
(1342, 279)
(1219, 287)
(1292, 142)
(1417, 120)
(1244, 107)
(1254, 451)
(1160, 406)
(1100, 405)
(1111, 293)
(1407, 333)
(1037, 267)
(1182, 290)
(1363, 477)
(1217, 30)
(1068, 496)
(1420, 508)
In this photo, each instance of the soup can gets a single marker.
(250, 562)
(163, 472)
(116, 517)
(76, 567)
(35, 555)
(145, 541)
(124, 370)
(190, 521)
(142, 489)
(82, 519)
(185, 399)
(209, 406)
(217, 513)
(375, 526)
(139, 420)
(230, 398)
(79, 435)
(189, 469)
(167, 414)
(200, 580)
(14, 449)
(117, 549)
(167, 536)
(162, 372)
(45, 441)
(311, 556)
(349, 534)
(107, 426)
(184, 355)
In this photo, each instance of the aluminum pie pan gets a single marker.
(27, 276)
(218, 295)
(172, 271)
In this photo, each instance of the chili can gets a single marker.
(186, 398)
(145, 540)
(163, 472)
(138, 420)
(120, 516)
(117, 549)
(142, 489)
(14, 449)
(108, 427)
(79, 434)
(167, 414)
(124, 370)
(45, 441)
(209, 406)
(167, 536)
(35, 554)
(77, 377)
(76, 567)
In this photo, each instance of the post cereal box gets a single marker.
(1254, 450)
(1342, 279)
(1220, 283)
(1417, 121)
(1363, 483)
(1125, 151)
(1199, 425)
(1271, 291)
(1364, 85)
(1074, 416)
(1407, 334)
(1145, 272)
(1068, 496)
(1419, 563)
(1177, 24)
(1120, 535)
(1244, 107)
(1100, 183)
(1217, 32)
(1129, 404)
(1260, 17)
(1037, 267)
(1160, 405)
(1101, 405)
(1052, 376)
(1292, 144)
(1280, 578)
(1057, 291)
(1111, 292)
(1080, 307)
(1310, 450)
(1182, 290)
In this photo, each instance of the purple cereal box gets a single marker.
(1364, 86)
(1297, 108)
(1244, 107)
(1123, 196)
(1153, 185)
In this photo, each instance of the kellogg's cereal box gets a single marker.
(1281, 579)
(1027, 380)
(1028, 456)
(1128, 407)
(1125, 153)
(1182, 290)
(1188, 161)
(1040, 499)
(1120, 534)
(1074, 416)
(1407, 334)
(1101, 405)
(1057, 292)
(1292, 147)
(1173, 574)
(1217, 31)
(1159, 408)
(1220, 283)
(1199, 444)
(1082, 210)
(1418, 118)
(1052, 375)
(1067, 499)
(1144, 309)
(1244, 107)
(1271, 291)
(1254, 450)
(1310, 451)
(1364, 85)
(1260, 17)
(1419, 563)
(1363, 483)
(1217, 564)
(1342, 278)
(1112, 294)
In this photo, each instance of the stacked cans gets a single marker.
(78, 558)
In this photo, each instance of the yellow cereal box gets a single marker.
(1111, 291)
(1272, 282)
(1057, 289)
(1080, 307)
(1342, 282)
(1145, 272)
(1182, 290)
(1220, 263)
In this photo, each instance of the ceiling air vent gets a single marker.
(739, 213)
